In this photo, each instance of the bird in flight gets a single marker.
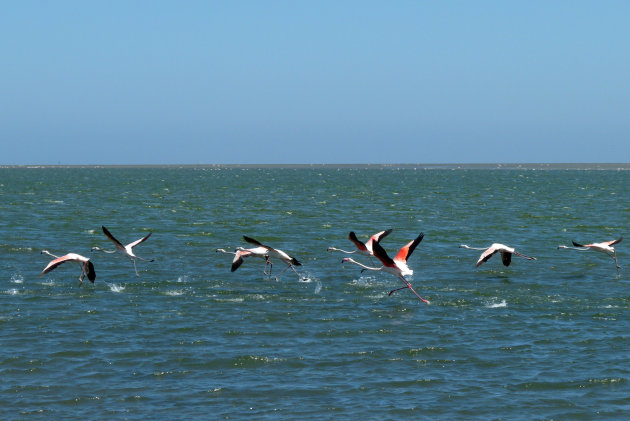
(87, 268)
(242, 253)
(125, 250)
(277, 254)
(363, 248)
(396, 266)
(488, 252)
(604, 247)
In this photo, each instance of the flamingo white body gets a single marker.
(127, 250)
(603, 247)
(396, 266)
(242, 253)
(363, 248)
(505, 251)
(87, 268)
(277, 254)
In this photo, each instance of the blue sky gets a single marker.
(158, 82)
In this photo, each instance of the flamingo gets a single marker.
(241, 253)
(87, 268)
(126, 250)
(397, 266)
(364, 249)
(279, 254)
(604, 247)
(506, 253)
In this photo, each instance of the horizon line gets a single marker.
(454, 165)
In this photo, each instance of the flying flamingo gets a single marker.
(604, 247)
(241, 253)
(87, 268)
(364, 249)
(126, 250)
(279, 254)
(397, 267)
(506, 253)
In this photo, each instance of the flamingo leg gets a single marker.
(412, 290)
(284, 270)
(268, 263)
(296, 272)
(82, 274)
(134, 267)
(614, 257)
(397, 289)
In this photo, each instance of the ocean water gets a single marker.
(543, 339)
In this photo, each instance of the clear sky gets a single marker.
(203, 82)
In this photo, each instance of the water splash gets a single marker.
(175, 292)
(116, 288)
(502, 304)
(318, 287)
(17, 278)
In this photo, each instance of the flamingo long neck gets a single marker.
(50, 254)
(364, 266)
(104, 251)
(343, 251)
(225, 251)
(474, 248)
(575, 248)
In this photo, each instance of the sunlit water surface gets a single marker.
(545, 339)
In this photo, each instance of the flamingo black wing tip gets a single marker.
(386, 233)
(251, 240)
(91, 274)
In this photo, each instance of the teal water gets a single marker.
(544, 339)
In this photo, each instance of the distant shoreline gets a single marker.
(525, 166)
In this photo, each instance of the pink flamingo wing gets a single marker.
(380, 235)
(381, 255)
(113, 239)
(405, 252)
(238, 259)
(352, 237)
(135, 243)
(618, 240)
(54, 263)
(486, 255)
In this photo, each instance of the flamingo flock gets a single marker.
(397, 266)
